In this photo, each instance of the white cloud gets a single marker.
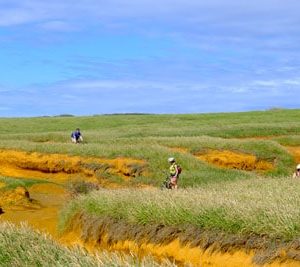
(120, 85)
(111, 96)
(58, 26)
(277, 83)
(267, 83)
(9, 17)
(216, 49)
(22, 11)
(292, 82)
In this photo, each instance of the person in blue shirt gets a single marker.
(76, 136)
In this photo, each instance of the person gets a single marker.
(174, 173)
(76, 136)
(297, 172)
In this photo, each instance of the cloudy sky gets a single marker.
(170, 56)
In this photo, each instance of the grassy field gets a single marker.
(230, 201)
(152, 137)
(248, 124)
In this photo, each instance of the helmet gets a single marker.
(171, 160)
(298, 167)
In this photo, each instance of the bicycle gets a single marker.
(166, 183)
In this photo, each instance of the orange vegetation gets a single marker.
(295, 151)
(183, 255)
(17, 199)
(60, 168)
(235, 160)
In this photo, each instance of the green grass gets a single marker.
(247, 124)
(12, 183)
(21, 246)
(268, 207)
(292, 140)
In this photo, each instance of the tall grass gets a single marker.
(259, 206)
(21, 247)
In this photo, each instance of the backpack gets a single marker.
(179, 169)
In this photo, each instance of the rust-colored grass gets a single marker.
(235, 160)
(162, 242)
(295, 151)
(61, 168)
(183, 255)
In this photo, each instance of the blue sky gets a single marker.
(169, 56)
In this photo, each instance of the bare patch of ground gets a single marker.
(38, 207)
(17, 199)
(235, 160)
